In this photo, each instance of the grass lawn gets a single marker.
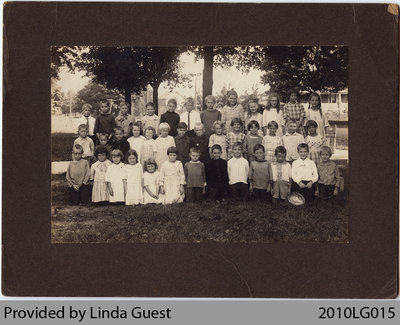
(61, 146)
(208, 221)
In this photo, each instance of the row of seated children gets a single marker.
(119, 182)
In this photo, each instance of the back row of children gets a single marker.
(224, 127)
(192, 132)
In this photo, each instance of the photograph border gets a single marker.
(364, 268)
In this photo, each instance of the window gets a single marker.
(344, 98)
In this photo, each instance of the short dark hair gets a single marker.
(253, 123)
(311, 123)
(216, 147)
(303, 146)
(131, 152)
(272, 123)
(78, 147)
(258, 146)
(100, 149)
(151, 104)
(236, 120)
(172, 150)
(280, 149)
(182, 125)
(194, 149)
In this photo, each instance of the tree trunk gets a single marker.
(128, 99)
(155, 87)
(208, 72)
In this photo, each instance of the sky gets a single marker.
(231, 78)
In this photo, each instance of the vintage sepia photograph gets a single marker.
(195, 144)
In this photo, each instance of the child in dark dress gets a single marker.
(182, 142)
(217, 175)
(105, 122)
(171, 117)
(200, 141)
(119, 141)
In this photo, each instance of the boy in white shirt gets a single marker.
(191, 117)
(238, 173)
(304, 174)
(88, 120)
(291, 140)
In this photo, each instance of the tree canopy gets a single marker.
(131, 69)
(303, 68)
(62, 56)
(92, 94)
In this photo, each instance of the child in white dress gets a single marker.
(164, 141)
(172, 178)
(134, 179)
(315, 113)
(98, 173)
(253, 114)
(136, 140)
(273, 112)
(149, 148)
(151, 181)
(218, 138)
(116, 178)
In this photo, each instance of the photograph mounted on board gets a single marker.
(238, 144)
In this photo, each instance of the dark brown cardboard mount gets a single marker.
(366, 267)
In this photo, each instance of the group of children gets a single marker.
(217, 153)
